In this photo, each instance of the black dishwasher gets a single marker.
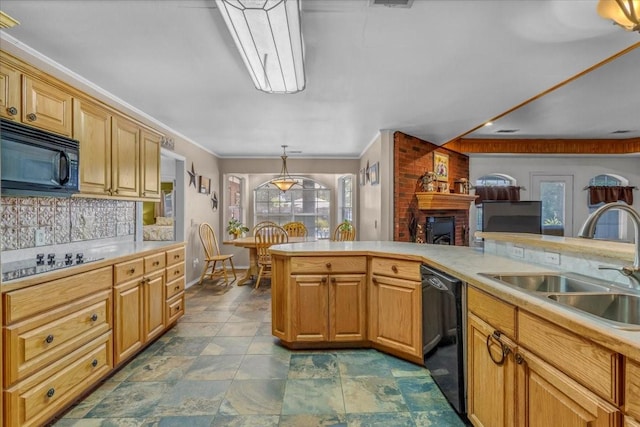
(443, 318)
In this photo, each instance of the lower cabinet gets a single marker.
(395, 315)
(328, 307)
(546, 397)
(491, 376)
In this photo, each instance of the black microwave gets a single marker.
(37, 163)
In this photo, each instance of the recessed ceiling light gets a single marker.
(507, 130)
(489, 124)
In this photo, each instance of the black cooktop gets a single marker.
(43, 264)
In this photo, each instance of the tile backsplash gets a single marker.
(63, 220)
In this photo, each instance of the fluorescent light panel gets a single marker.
(268, 36)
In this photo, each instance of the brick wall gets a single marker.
(412, 158)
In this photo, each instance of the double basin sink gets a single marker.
(613, 305)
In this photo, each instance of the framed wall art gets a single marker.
(441, 166)
(204, 186)
(362, 177)
(374, 173)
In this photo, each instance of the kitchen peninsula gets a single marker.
(327, 294)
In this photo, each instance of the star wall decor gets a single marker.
(214, 201)
(192, 176)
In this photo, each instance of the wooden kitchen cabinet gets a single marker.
(632, 388)
(92, 127)
(139, 299)
(548, 397)
(630, 422)
(125, 157)
(10, 105)
(150, 164)
(329, 307)
(491, 376)
(46, 106)
(174, 289)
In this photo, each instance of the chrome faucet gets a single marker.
(588, 230)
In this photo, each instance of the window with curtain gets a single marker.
(345, 198)
(487, 181)
(309, 203)
(234, 188)
(610, 225)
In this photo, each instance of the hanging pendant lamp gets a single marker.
(625, 13)
(284, 181)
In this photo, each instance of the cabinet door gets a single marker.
(630, 422)
(92, 127)
(548, 397)
(128, 319)
(125, 157)
(347, 307)
(150, 164)
(310, 307)
(396, 315)
(490, 385)
(45, 106)
(154, 302)
(9, 92)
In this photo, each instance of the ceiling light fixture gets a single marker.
(284, 181)
(268, 36)
(625, 13)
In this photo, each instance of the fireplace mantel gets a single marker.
(444, 201)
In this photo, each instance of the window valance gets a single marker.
(609, 194)
(497, 192)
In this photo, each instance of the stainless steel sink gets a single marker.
(621, 309)
(550, 282)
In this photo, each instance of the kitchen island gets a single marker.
(345, 294)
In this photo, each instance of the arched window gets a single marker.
(610, 225)
(234, 187)
(309, 203)
(345, 198)
(495, 179)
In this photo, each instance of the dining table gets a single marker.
(249, 242)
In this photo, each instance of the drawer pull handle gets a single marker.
(374, 280)
(49, 339)
(394, 268)
(12, 111)
(177, 308)
(505, 350)
(51, 392)
(132, 270)
(94, 362)
(176, 256)
(328, 265)
(156, 263)
(177, 287)
(94, 317)
(323, 280)
(32, 117)
(519, 359)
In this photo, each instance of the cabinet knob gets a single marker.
(177, 308)
(94, 317)
(519, 359)
(132, 270)
(333, 280)
(12, 111)
(51, 392)
(32, 117)
(115, 191)
(328, 265)
(394, 268)
(94, 362)
(49, 339)
(323, 280)
(374, 280)
(177, 287)
(155, 263)
(176, 256)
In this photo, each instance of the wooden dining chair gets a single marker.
(295, 229)
(265, 237)
(261, 224)
(213, 256)
(344, 232)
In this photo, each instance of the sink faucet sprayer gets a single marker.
(589, 228)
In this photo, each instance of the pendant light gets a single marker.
(284, 181)
(625, 13)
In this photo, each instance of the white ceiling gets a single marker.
(435, 71)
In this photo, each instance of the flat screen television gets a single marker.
(512, 217)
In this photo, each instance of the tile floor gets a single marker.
(220, 366)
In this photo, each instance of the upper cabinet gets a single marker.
(119, 157)
(9, 92)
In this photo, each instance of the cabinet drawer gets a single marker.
(175, 271)
(154, 262)
(323, 265)
(632, 388)
(409, 270)
(129, 270)
(174, 287)
(33, 401)
(26, 302)
(175, 256)
(586, 362)
(175, 308)
(498, 314)
(35, 343)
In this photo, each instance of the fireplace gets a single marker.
(441, 230)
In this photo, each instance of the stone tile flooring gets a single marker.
(220, 366)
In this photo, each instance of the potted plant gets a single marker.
(346, 225)
(236, 228)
